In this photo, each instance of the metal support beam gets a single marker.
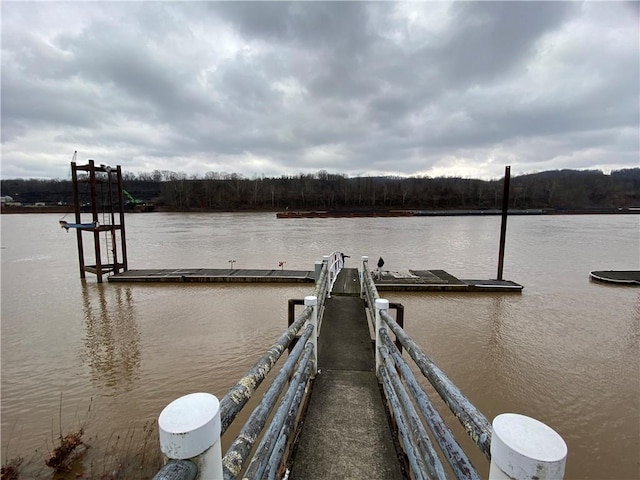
(76, 207)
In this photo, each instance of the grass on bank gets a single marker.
(134, 454)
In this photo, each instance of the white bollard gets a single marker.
(381, 304)
(525, 448)
(190, 429)
(312, 301)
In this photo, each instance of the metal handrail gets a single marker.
(322, 287)
(369, 288)
(288, 425)
(240, 449)
(299, 358)
(408, 425)
(237, 397)
(177, 470)
(335, 264)
(265, 450)
(456, 458)
(473, 421)
(241, 392)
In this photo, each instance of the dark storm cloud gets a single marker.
(490, 38)
(282, 87)
(312, 25)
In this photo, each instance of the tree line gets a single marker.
(215, 191)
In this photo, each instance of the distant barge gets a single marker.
(443, 213)
(344, 213)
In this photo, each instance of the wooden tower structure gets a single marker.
(98, 193)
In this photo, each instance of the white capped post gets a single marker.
(381, 304)
(190, 429)
(312, 301)
(525, 448)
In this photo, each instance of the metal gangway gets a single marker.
(191, 427)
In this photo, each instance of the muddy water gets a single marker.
(565, 351)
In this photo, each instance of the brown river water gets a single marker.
(109, 357)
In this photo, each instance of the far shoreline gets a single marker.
(338, 213)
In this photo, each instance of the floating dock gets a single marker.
(439, 281)
(215, 275)
(403, 281)
(620, 277)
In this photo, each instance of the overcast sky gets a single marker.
(277, 88)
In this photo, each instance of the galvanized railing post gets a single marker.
(321, 290)
(335, 263)
(325, 262)
(312, 302)
(524, 448)
(365, 261)
(381, 305)
(189, 429)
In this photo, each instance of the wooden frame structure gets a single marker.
(107, 216)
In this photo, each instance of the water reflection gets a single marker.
(112, 340)
(633, 334)
(506, 355)
(497, 351)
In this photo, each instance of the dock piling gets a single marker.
(503, 223)
(524, 448)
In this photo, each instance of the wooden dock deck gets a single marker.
(215, 275)
(346, 433)
(408, 280)
(439, 281)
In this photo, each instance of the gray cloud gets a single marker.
(491, 38)
(275, 88)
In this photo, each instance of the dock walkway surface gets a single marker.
(346, 431)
